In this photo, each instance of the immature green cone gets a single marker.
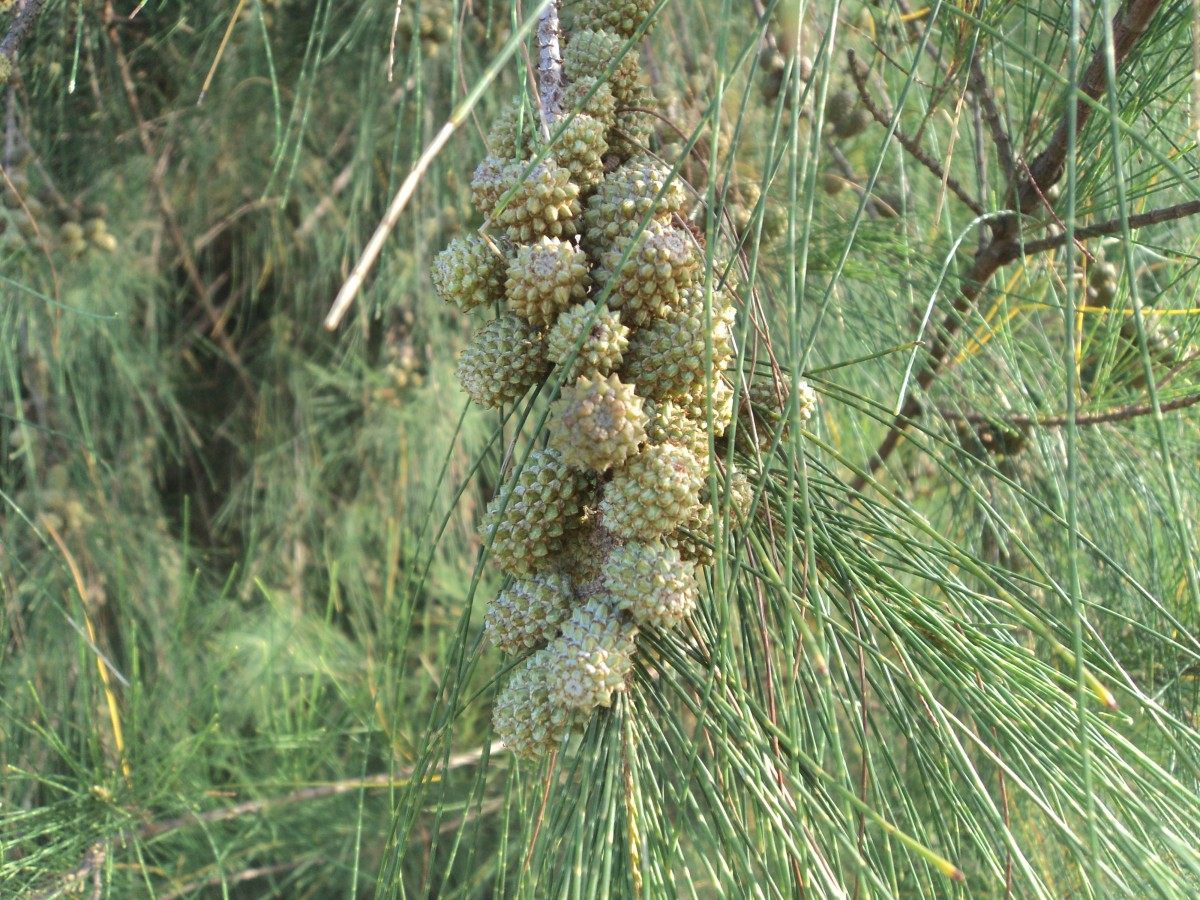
(489, 182)
(543, 203)
(716, 392)
(672, 357)
(628, 196)
(653, 493)
(545, 278)
(764, 409)
(580, 150)
(505, 358)
(598, 423)
(693, 539)
(513, 132)
(601, 350)
(660, 261)
(634, 123)
(591, 97)
(544, 500)
(740, 495)
(588, 662)
(525, 717)
(1103, 280)
(585, 547)
(468, 273)
(528, 613)
(668, 423)
(623, 17)
(652, 583)
(589, 54)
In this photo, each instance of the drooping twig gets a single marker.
(549, 66)
(1004, 248)
(858, 73)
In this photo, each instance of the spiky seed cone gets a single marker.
(105, 241)
(489, 182)
(764, 408)
(668, 423)
(600, 423)
(545, 278)
(634, 123)
(624, 17)
(806, 400)
(740, 496)
(854, 124)
(511, 136)
(588, 662)
(590, 54)
(580, 150)
(652, 583)
(693, 540)
(659, 262)
(696, 407)
(585, 547)
(839, 106)
(528, 613)
(505, 358)
(544, 202)
(526, 719)
(653, 493)
(468, 273)
(529, 517)
(1102, 281)
(602, 348)
(672, 357)
(591, 97)
(627, 196)
(1102, 272)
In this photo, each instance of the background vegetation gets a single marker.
(242, 603)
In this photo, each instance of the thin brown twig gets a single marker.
(251, 874)
(1082, 420)
(978, 83)
(911, 147)
(1004, 247)
(1111, 226)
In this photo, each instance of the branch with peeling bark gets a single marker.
(549, 67)
(1005, 245)
(20, 28)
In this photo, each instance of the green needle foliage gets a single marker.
(950, 652)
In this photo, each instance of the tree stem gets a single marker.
(549, 66)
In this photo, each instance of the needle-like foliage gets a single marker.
(944, 641)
